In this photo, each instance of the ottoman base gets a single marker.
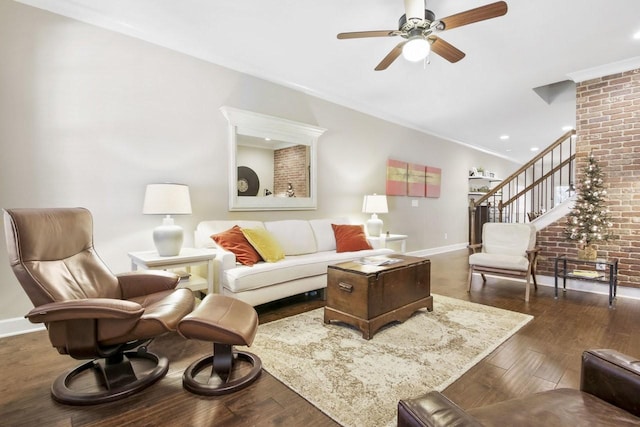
(221, 364)
(225, 322)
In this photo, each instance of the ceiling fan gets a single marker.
(419, 28)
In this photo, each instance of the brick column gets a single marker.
(607, 123)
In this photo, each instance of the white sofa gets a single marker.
(309, 247)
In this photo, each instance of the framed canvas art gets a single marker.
(396, 178)
(433, 178)
(416, 180)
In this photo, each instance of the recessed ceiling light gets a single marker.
(267, 139)
(567, 128)
(504, 137)
(534, 148)
(637, 35)
(508, 150)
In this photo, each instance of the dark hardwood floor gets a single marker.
(543, 355)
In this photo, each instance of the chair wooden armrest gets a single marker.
(532, 254)
(475, 247)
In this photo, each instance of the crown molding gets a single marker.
(605, 70)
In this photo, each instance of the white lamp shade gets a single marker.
(416, 49)
(167, 199)
(375, 204)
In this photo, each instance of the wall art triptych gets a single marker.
(414, 180)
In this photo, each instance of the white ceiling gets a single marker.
(487, 94)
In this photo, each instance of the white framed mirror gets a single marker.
(272, 162)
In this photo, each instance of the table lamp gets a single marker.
(167, 199)
(374, 204)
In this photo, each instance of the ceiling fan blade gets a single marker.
(391, 56)
(414, 9)
(481, 13)
(362, 34)
(446, 50)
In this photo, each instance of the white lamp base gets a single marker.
(374, 226)
(168, 238)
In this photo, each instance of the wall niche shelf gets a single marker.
(478, 182)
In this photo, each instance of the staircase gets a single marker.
(539, 186)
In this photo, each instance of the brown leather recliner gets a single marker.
(89, 312)
(608, 396)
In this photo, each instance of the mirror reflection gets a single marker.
(272, 168)
(272, 162)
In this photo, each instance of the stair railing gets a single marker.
(542, 183)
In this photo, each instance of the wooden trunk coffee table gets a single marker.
(369, 296)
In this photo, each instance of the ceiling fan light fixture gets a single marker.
(416, 49)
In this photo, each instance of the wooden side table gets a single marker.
(383, 239)
(150, 260)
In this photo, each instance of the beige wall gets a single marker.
(88, 117)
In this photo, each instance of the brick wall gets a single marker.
(292, 166)
(607, 123)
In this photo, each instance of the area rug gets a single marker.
(358, 382)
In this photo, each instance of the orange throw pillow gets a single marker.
(350, 238)
(234, 241)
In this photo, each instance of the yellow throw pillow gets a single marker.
(264, 243)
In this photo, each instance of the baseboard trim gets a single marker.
(588, 286)
(18, 326)
(580, 286)
(439, 250)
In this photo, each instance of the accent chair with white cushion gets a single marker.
(507, 249)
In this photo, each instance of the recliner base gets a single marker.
(116, 381)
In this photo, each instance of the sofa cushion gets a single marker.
(323, 232)
(511, 262)
(233, 240)
(295, 236)
(295, 267)
(264, 242)
(350, 238)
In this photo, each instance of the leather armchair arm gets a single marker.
(433, 409)
(613, 377)
(139, 283)
(89, 308)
